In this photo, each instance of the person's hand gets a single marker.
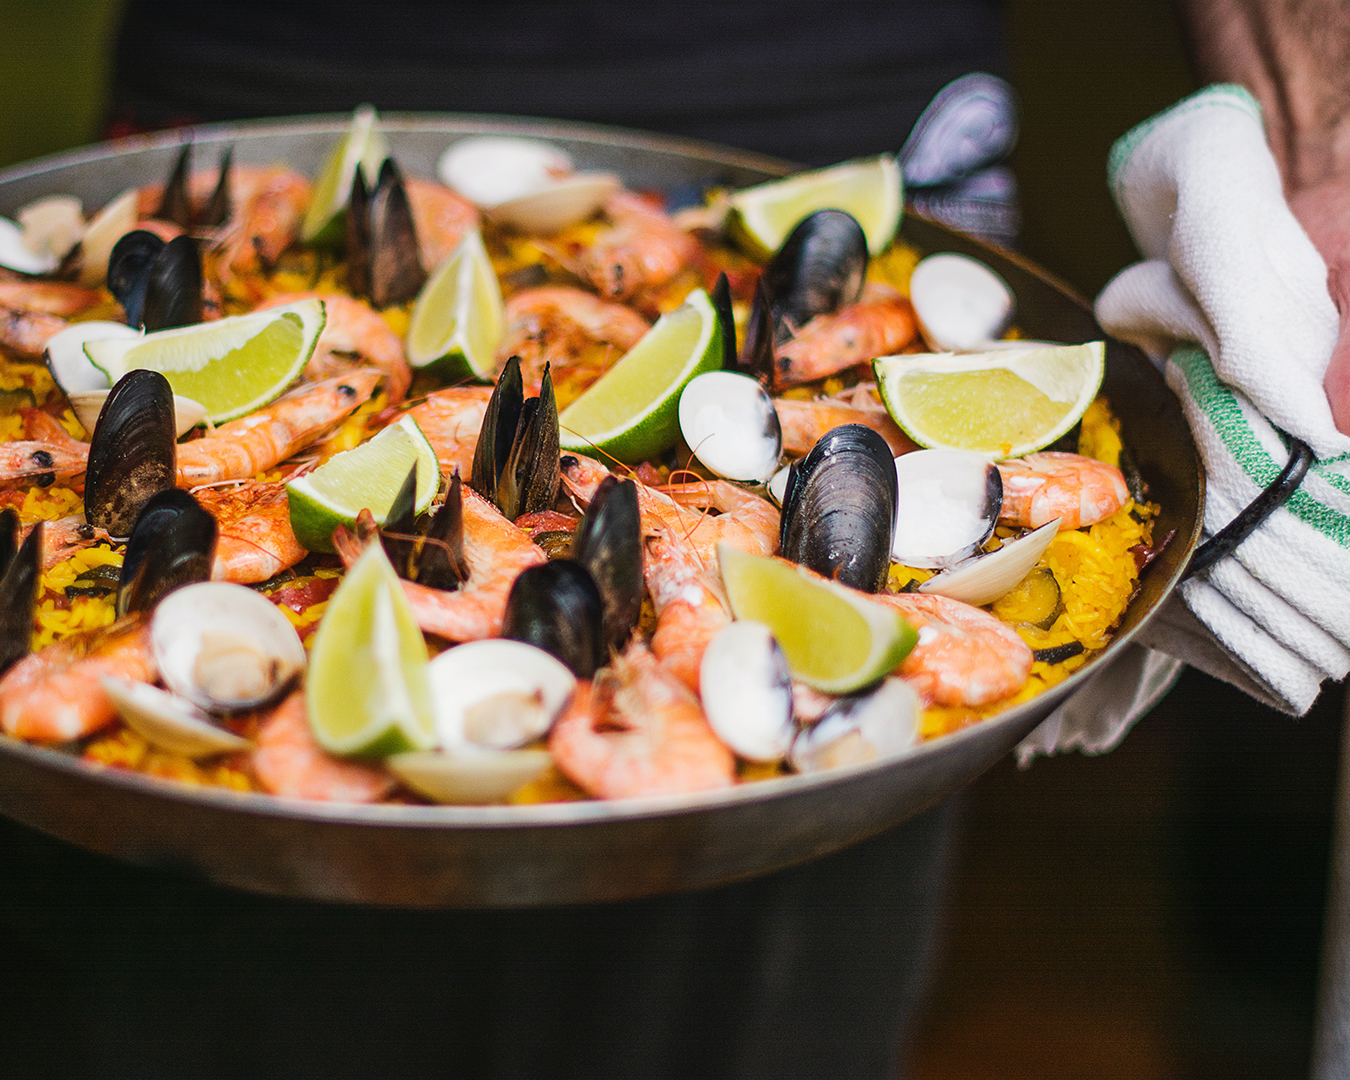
(1323, 209)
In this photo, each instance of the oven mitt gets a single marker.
(1232, 302)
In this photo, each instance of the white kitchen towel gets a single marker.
(1232, 302)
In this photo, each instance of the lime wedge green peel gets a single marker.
(870, 189)
(232, 366)
(1005, 402)
(365, 478)
(363, 145)
(366, 690)
(458, 319)
(834, 637)
(632, 412)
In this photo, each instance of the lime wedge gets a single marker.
(632, 412)
(231, 366)
(366, 690)
(458, 321)
(1005, 402)
(362, 145)
(834, 637)
(870, 189)
(366, 478)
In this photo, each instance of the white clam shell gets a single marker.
(105, 228)
(947, 504)
(52, 225)
(14, 254)
(224, 647)
(777, 486)
(70, 366)
(558, 204)
(747, 691)
(985, 578)
(469, 774)
(730, 423)
(859, 729)
(497, 693)
(491, 169)
(87, 404)
(960, 304)
(169, 721)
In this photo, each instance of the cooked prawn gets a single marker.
(805, 422)
(451, 420)
(50, 456)
(48, 297)
(1047, 485)
(26, 333)
(690, 609)
(54, 695)
(247, 446)
(636, 730)
(441, 218)
(965, 656)
(65, 536)
(353, 329)
(643, 248)
(879, 324)
(558, 325)
(254, 541)
(496, 552)
(269, 204)
(287, 761)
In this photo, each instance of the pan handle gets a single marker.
(1226, 540)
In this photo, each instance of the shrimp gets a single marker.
(26, 333)
(965, 656)
(805, 422)
(451, 420)
(48, 297)
(556, 324)
(496, 552)
(636, 730)
(881, 323)
(244, 447)
(689, 606)
(441, 218)
(65, 536)
(254, 541)
(287, 761)
(55, 695)
(642, 249)
(269, 204)
(50, 456)
(353, 329)
(1078, 490)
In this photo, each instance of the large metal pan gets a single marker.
(433, 856)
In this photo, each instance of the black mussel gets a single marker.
(20, 570)
(608, 543)
(515, 464)
(557, 607)
(133, 453)
(176, 203)
(721, 299)
(173, 289)
(839, 508)
(172, 543)
(218, 208)
(382, 252)
(756, 359)
(428, 550)
(358, 236)
(818, 270)
(129, 271)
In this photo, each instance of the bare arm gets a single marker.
(1294, 55)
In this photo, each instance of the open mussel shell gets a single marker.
(515, 463)
(469, 774)
(225, 648)
(382, 240)
(608, 543)
(960, 304)
(88, 404)
(948, 506)
(729, 422)
(20, 571)
(129, 271)
(168, 721)
(173, 287)
(15, 255)
(860, 728)
(499, 694)
(557, 607)
(985, 578)
(746, 691)
(70, 365)
(133, 452)
(839, 508)
(818, 270)
(172, 544)
(428, 549)
(175, 205)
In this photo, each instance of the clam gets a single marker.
(133, 452)
(557, 607)
(778, 482)
(172, 544)
(515, 464)
(818, 270)
(71, 367)
(729, 422)
(860, 728)
(947, 507)
(382, 254)
(747, 692)
(469, 774)
(225, 648)
(105, 228)
(608, 543)
(15, 254)
(525, 183)
(52, 226)
(985, 578)
(87, 404)
(20, 570)
(839, 508)
(960, 304)
(169, 721)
